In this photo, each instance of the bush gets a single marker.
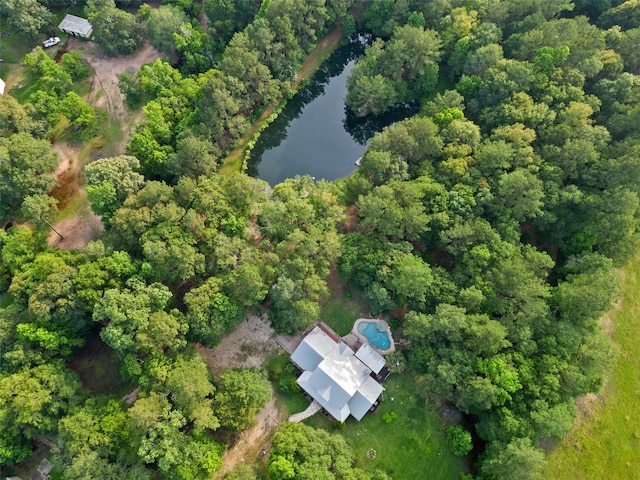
(75, 66)
(281, 371)
(389, 417)
(293, 385)
(396, 363)
(280, 366)
(459, 440)
(131, 90)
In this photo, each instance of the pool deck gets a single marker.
(356, 332)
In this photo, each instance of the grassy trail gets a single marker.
(606, 443)
(233, 162)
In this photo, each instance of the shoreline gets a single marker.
(236, 160)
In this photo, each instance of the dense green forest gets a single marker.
(488, 226)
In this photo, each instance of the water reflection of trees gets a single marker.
(362, 129)
(277, 131)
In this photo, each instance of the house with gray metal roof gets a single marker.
(338, 378)
(76, 26)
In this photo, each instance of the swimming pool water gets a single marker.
(376, 338)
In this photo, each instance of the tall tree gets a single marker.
(137, 325)
(189, 382)
(210, 313)
(300, 451)
(26, 17)
(161, 26)
(227, 17)
(26, 165)
(41, 209)
(177, 454)
(110, 181)
(17, 118)
(519, 459)
(406, 66)
(31, 402)
(240, 397)
(117, 31)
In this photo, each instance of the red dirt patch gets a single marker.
(351, 220)
(69, 175)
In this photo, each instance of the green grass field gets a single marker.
(291, 402)
(340, 312)
(606, 444)
(13, 47)
(411, 446)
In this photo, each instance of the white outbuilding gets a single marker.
(76, 26)
(2, 85)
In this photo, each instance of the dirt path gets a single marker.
(84, 226)
(249, 345)
(253, 445)
(317, 56)
(104, 90)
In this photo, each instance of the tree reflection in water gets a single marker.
(325, 139)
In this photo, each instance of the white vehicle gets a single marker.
(50, 42)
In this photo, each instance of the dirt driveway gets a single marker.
(249, 345)
(85, 226)
(104, 90)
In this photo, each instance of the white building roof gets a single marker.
(316, 346)
(366, 396)
(348, 373)
(306, 357)
(334, 376)
(327, 393)
(2, 85)
(77, 25)
(370, 358)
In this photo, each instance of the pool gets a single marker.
(376, 333)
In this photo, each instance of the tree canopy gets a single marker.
(488, 226)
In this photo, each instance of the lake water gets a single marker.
(315, 134)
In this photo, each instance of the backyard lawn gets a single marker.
(409, 444)
(341, 312)
(606, 444)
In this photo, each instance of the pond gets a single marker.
(315, 134)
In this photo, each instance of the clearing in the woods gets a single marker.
(77, 224)
(251, 344)
(606, 438)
